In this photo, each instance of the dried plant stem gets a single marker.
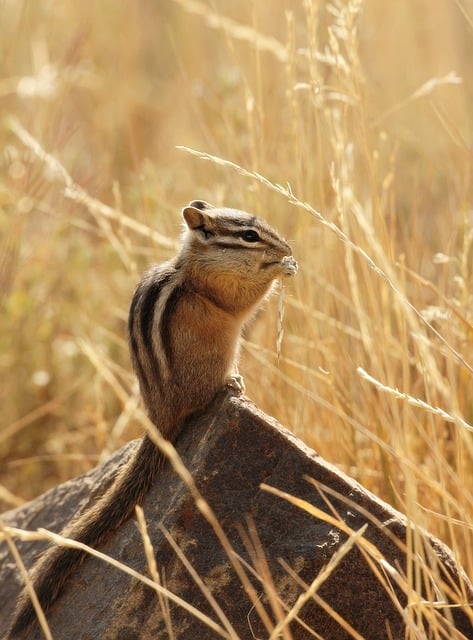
(415, 402)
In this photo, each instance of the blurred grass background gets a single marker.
(359, 110)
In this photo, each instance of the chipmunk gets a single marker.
(185, 324)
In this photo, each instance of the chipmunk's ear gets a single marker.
(201, 204)
(195, 214)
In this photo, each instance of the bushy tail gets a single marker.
(92, 528)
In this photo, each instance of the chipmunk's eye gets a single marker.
(249, 236)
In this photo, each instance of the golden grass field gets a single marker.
(347, 125)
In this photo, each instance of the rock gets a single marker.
(230, 451)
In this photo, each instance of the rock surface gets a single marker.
(230, 451)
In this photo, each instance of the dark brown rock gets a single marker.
(230, 451)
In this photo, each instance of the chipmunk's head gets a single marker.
(237, 241)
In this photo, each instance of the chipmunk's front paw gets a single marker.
(289, 266)
(236, 383)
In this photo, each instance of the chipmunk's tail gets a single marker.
(92, 528)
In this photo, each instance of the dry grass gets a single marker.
(347, 125)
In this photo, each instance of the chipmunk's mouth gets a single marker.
(272, 259)
(266, 265)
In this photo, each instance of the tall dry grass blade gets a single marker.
(323, 575)
(44, 534)
(8, 535)
(252, 571)
(319, 601)
(35, 414)
(106, 373)
(153, 569)
(424, 90)
(236, 30)
(77, 194)
(280, 327)
(201, 584)
(261, 568)
(415, 402)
